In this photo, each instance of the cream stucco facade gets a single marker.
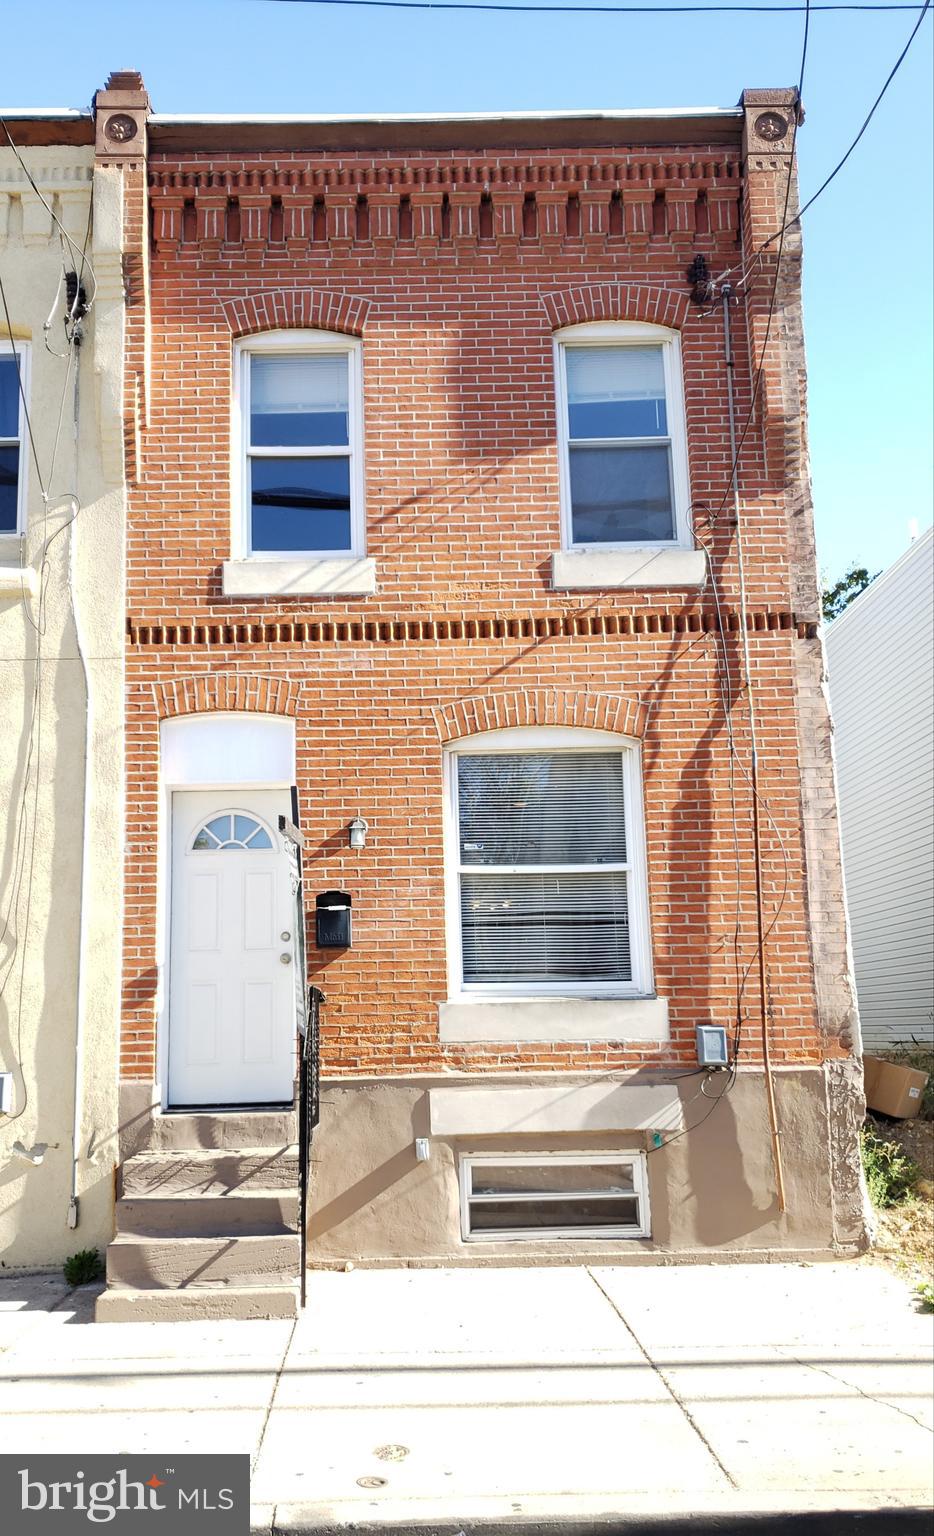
(61, 699)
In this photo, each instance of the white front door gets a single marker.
(231, 982)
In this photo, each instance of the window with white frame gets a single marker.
(624, 473)
(13, 385)
(553, 1195)
(546, 874)
(298, 409)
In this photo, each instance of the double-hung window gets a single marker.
(300, 407)
(550, 890)
(13, 361)
(621, 435)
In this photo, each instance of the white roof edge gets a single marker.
(159, 119)
(70, 114)
(859, 603)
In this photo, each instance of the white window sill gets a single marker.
(591, 569)
(15, 580)
(555, 1018)
(338, 575)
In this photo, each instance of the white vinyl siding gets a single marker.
(548, 1196)
(881, 662)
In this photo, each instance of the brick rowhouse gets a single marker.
(454, 252)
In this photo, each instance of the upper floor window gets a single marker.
(13, 361)
(299, 423)
(547, 869)
(624, 477)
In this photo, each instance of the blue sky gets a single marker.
(868, 240)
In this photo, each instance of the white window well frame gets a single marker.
(623, 333)
(550, 739)
(20, 350)
(640, 1191)
(313, 343)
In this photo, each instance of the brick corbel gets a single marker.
(616, 301)
(296, 309)
(540, 706)
(226, 691)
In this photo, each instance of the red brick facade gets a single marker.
(455, 269)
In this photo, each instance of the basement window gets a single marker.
(553, 1196)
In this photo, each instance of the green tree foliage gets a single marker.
(842, 593)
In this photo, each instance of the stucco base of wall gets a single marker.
(711, 1190)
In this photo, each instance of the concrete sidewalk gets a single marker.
(461, 1399)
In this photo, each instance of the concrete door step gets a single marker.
(170, 1263)
(254, 1213)
(245, 1303)
(210, 1171)
(228, 1128)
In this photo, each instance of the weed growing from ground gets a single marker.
(890, 1174)
(83, 1267)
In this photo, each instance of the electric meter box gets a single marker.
(712, 1046)
(332, 920)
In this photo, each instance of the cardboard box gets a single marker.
(891, 1089)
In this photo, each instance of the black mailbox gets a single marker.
(332, 920)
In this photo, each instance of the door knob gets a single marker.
(285, 959)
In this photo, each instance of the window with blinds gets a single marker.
(543, 869)
(298, 407)
(619, 448)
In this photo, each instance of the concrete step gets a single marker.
(169, 1263)
(256, 1213)
(223, 1128)
(210, 1171)
(125, 1305)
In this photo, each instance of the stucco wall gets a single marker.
(711, 1186)
(42, 788)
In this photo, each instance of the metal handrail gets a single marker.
(309, 1100)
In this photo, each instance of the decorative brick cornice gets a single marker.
(616, 301)
(539, 706)
(226, 691)
(285, 308)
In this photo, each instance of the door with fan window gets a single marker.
(232, 951)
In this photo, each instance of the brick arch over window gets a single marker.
(616, 301)
(228, 692)
(540, 706)
(279, 309)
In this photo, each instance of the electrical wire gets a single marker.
(604, 10)
(845, 157)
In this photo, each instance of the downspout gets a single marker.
(727, 294)
(84, 896)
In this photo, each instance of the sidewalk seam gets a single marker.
(272, 1398)
(665, 1383)
(880, 1402)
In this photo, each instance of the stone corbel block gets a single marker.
(384, 218)
(552, 216)
(595, 214)
(681, 212)
(74, 207)
(507, 214)
(37, 220)
(637, 213)
(4, 217)
(426, 219)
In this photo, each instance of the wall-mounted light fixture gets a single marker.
(357, 832)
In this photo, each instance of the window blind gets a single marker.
(542, 808)
(546, 927)
(614, 373)
(298, 385)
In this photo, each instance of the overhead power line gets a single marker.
(607, 10)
